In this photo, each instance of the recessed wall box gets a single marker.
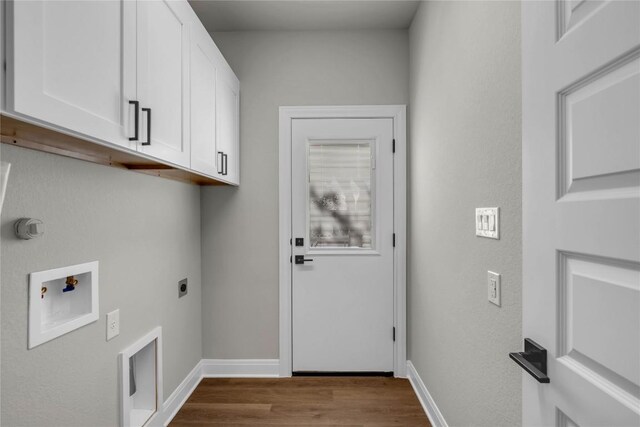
(141, 380)
(61, 300)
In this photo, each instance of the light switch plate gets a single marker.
(488, 222)
(113, 324)
(493, 287)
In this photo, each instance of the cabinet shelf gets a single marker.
(24, 134)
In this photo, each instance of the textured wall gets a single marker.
(145, 231)
(465, 152)
(240, 226)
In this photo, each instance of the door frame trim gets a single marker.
(398, 114)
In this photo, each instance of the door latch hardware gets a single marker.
(533, 360)
(300, 259)
(299, 241)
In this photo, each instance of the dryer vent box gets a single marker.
(141, 380)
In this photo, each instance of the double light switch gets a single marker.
(487, 223)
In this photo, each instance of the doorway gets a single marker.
(342, 234)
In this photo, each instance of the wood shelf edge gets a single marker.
(28, 135)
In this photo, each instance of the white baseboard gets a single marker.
(213, 368)
(428, 404)
(180, 395)
(240, 368)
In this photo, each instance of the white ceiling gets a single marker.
(245, 15)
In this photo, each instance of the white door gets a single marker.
(203, 102)
(74, 65)
(163, 76)
(342, 208)
(581, 173)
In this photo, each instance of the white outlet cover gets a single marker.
(113, 324)
(493, 288)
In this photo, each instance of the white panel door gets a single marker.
(74, 65)
(342, 208)
(203, 102)
(228, 123)
(163, 79)
(581, 207)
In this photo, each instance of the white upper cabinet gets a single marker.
(72, 64)
(140, 75)
(163, 79)
(203, 102)
(214, 110)
(228, 124)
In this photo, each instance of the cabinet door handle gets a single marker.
(148, 111)
(224, 156)
(220, 162)
(136, 115)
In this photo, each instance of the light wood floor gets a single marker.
(303, 401)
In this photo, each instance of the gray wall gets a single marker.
(240, 226)
(145, 231)
(465, 153)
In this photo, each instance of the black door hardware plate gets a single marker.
(300, 259)
(533, 360)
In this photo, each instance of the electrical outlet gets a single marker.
(182, 288)
(113, 324)
(493, 287)
(493, 284)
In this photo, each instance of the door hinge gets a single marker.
(394, 333)
(394, 240)
(393, 146)
(291, 259)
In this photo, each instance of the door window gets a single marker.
(340, 189)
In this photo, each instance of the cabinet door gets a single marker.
(163, 79)
(227, 123)
(203, 102)
(72, 65)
